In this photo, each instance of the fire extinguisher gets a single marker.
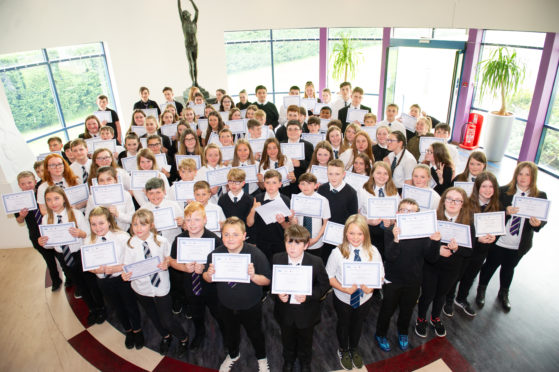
(472, 132)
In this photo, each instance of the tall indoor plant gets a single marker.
(500, 76)
(345, 59)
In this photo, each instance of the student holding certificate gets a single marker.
(322, 154)
(517, 241)
(362, 165)
(352, 304)
(91, 127)
(400, 160)
(215, 125)
(380, 150)
(57, 172)
(422, 129)
(439, 277)
(59, 211)
(146, 162)
(104, 158)
(362, 144)
(349, 134)
(244, 156)
(116, 291)
(334, 136)
(145, 102)
(237, 202)
(189, 144)
(239, 302)
(477, 163)
(404, 261)
(152, 287)
(297, 315)
(155, 193)
(299, 166)
(421, 177)
(152, 129)
(169, 169)
(484, 199)
(198, 294)
(272, 158)
(441, 165)
(212, 161)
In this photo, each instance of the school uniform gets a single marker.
(347, 158)
(152, 291)
(178, 106)
(165, 141)
(147, 105)
(302, 168)
(272, 164)
(253, 186)
(211, 207)
(44, 185)
(112, 123)
(447, 179)
(402, 165)
(350, 309)
(140, 195)
(297, 320)
(125, 211)
(236, 205)
(81, 170)
(314, 224)
(393, 125)
(413, 145)
(169, 234)
(115, 290)
(242, 106)
(271, 111)
(269, 238)
(342, 114)
(380, 152)
(403, 263)
(240, 304)
(201, 175)
(338, 104)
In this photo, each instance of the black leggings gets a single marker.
(120, 295)
(350, 323)
(499, 256)
(159, 310)
(397, 296)
(438, 279)
(470, 268)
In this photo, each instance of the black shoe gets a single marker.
(139, 340)
(465, 305)
(177, 307)
(56, 286)
(91, 317)
(100, 316)
(129, 340)
(187, 313)
(448, 309)
(287, 366)
(305, 367)
(183, 348)
(77, 293)
(164, 345)
(377, 293)
(421, 327)
(198, 339)
(439, 327)
(68, 283)
(504, 299)
(480, 297)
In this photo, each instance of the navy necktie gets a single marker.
(380, 193)
(85, 175)
(196, 284)
(38, 216)
(307, 224)
(393, 165)
(66, 253)
(356, 296)
(154, 278)
(61, 184)
(336, 153)
(515, 224)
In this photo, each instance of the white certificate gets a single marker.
(144, 142)
(58, 234)
(356, 115)
(77, 194)
(244, 114)
(42, 157)
(321, 173)
(291, 100)
(108, 194)
(425, 142)
(129, 163)
(324, 125)
(293, 150)
(531, 207)
(237, 126)
(417, 225)
(224, 115)
(490, 223)
(184, 190)
(95, 255)
(269, 211)
(227, 153)
(231, 267)
(89, 143)
(139, 178)
(105, 144)
(284, 173)
(333, 233)
(143, 268)
(257, 145)
(317, 107)
(151, 112)
(196, 158)
(409, 122)
(306, 205)
(217, 177)
(355, 180)
(194, 250)
(372, 132)
(169, 130)
(308, 103)
(160, 160)
(420, 195)
(313, 138)
(140, 130)
(199, 109)
(460, 233)
(164, 218)
(15, 202)
(104, 116)
(366, 273)
(468, 187)
(212, 219)
(203, 126)
(292, 280)
(250, 173)
(382, 208)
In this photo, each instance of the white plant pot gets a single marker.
(497, 134)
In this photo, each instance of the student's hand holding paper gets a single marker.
(396, 232)
(374, 221)
(535, 222)
(300, 298)
(366, 289)
(512, 210)
(350, 290)
(43, 240)
(283, 297)
(23, 213)
(453, 245)
(126, 276)
(444, 251)
(296, 162)
(199, 268)
(436, 236)
(251, 271)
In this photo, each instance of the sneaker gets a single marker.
(345, 360)
(198, 339)
(91, 318)
(183, 348)
(421, 327)
(101, 316)
(68, 283)
(263, 365)
(439, 327)
(139, 340)
(129, 340)
(357, 360)
(465, 305)
(177, 308)
(77, 294)
(448, 309)
(383, 343)
(480, 297)
(164, 345)
(187, 313)
(228, 363)
(403, 342)
(56, 286)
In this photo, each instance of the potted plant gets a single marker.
(501, 76)
(345, 58)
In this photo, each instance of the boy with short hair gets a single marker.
(170, 100)
(203, 194)
(237, 202)
(325, 112)
(391, 121)
(356, 98)
(370, 120)
(260, 115)
(343, 100)
(293, 91)
(102, 103)
(55, 144)
(155, 193)
(240, 303)
(255, 130)
(326, 96)
(187, 172)
(269, 108)
(442, 130)
(82, 163)
(314, 125)
(38, 168)
(292, 114)
(300, 166)
(145, 102)
(298, 314)
(342, 198)
(243, 100)
(107, 133)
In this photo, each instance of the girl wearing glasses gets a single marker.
(57, 172)
(104, 158)
(400, 160)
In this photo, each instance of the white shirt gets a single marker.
(317, 222)
(288, 164)
(201, 175)
(347, 158)
(404, 170)
(77, 168)
(143, 285)
(508, 240)
(81, 223)
(140, 195)
(338, 188)
(337, 105)
(252, 187)
(120, 238)
(394, 126)
(43, 187)
(169, 234)
(363, 197)
(220, 215)
(125, 211)
(334, 268)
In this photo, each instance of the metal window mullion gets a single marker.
(55, 94)
(52, 132)
(104, 55)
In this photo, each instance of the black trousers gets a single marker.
(326, 250)
(251, 320)
(437, 281)
(198, 306)
(316, 252)
(86, 282)
(177, 290)
(350, 323)
(159, 310)
(499, 256)
(120, 295)
(470, 268)
(397, 296)
(297, 343)
(50, 260)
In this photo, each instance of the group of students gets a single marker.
(420, 271)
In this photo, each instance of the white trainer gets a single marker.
(263, 365)
(228, 363)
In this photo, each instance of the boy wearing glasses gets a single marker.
(237, 202)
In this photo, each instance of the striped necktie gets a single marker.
(394, 163)
(154, 278)
(380, 193)
(307, 224)
(38, 216)
(336, 153)
(196, 284)
(85, 175)
(515, 224)
(61, 184)
(355, 296)
(66, 253)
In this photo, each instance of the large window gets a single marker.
(528, 47)
(51, 91)
(548, 154)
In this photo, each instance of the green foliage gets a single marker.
(345, 59)
(550, 150)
